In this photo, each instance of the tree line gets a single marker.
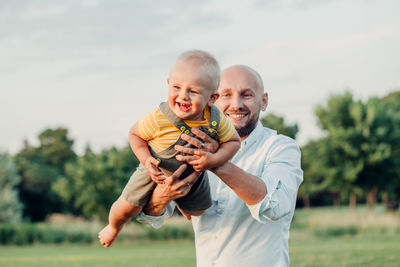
(357, 159)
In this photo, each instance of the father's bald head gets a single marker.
(242, 97)
(245, 72)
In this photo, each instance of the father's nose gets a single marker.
(236, 102)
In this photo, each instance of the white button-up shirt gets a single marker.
(231, 233)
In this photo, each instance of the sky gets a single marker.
(95, 67)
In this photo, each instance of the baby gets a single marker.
(192, 90)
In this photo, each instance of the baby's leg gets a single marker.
(121, 212)
(188, 214)
(193, 213)
(197, 200)
(134, 196)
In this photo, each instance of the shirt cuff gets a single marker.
(270, 208)
(156, 221)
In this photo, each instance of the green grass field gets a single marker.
(148, 254)
(346, 251)
(319, 237)
(342, 251)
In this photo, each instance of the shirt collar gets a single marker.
(254, 135)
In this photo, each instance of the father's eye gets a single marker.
(176, 87)
(225, 95)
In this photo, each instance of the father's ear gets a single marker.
(264, 101)
(168, 81)
(213, 98)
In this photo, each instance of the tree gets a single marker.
(40, 167)
(10, 205)
(392, 100)
(392, 189)
(359, 138)
(56, 148)
(94, 182)
(278, 123)
(316, 179)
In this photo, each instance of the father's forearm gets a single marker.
(156, 205)
(251, 189)
(226, 152)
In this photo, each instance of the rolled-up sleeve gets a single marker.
(156, 221)
(282, 175)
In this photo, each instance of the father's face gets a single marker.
(241, 98)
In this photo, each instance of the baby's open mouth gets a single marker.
(184, 107)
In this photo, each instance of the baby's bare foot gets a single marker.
(107, 236)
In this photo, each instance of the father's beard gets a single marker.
(251, 124)
(248, 128)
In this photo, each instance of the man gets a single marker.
(253, 196)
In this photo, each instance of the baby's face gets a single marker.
(190, 90)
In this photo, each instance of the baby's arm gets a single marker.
(141, 150)
(206, 161)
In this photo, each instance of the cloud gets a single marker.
(291, 4)
(91, 63)
(357, 39)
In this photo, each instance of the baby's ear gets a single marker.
(168, 81)
(213, 98)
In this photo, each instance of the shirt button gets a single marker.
(219, 211)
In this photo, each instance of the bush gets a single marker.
(169, 232)
(80, 237)
(7, 233)
(52, 236)
(27, 234)
(336, 231)
(18, 234)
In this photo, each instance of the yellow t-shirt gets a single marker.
(160, 133)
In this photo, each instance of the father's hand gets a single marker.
(201, 157)
(204, 144)
(173, 188)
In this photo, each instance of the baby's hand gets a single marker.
(202, 161)
(155, 173)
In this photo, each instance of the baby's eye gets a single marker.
(176, 87)
(225, 95)
(193, 92)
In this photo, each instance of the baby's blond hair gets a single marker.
(206, 61)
